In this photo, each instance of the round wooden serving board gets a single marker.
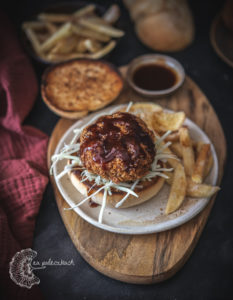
(145, 259)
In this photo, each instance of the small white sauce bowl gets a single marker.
(158, 59)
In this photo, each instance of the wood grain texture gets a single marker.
(145, 259)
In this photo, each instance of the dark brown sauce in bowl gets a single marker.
(154, 77)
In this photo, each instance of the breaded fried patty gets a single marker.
(117, 147)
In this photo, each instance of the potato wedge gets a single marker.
(145, 107)
(200, 164)
(173, 137)
(173, 162)
(187, 151)
(209, 165)
(210, 160)
(164, 121)
(197, 147)
(145, 111)
(170, 177)
(200, 190)
(177, 149)
(193, 189)
(178, 190)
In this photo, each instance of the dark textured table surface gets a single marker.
(209, 271)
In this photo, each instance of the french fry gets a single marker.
(54, 18)
(187, 151)
(112, 14)
(65, 45)
(97, 55)
(105, 50)
(84, 11)
(178, 190)
(50, 27)
(105, 29)
(62, 32)
(200, 190)
(81, 46)
(164, 121)
(52, 35)
(87, 33)
(34, 40)
(177, 149)
(199, 168)
(92, 46)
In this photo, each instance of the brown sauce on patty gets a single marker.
(106, 141)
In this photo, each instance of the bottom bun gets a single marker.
(147, 190)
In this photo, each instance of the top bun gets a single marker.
(72, 89)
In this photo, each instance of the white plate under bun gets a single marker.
(145, 218)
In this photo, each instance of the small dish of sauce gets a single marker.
(155, 75)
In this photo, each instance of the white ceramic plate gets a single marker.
(145, 218)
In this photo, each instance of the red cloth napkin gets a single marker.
(23, 172)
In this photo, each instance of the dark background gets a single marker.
(209, 271)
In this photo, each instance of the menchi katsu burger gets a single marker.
(116, 161)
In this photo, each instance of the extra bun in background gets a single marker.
(163, 25)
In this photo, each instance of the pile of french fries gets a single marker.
(83, 34)
(194, 158)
